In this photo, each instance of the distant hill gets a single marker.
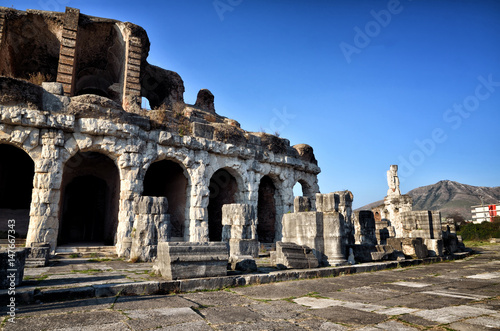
(449, 197)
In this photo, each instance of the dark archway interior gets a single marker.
(166, 179)
(90, 191)
(16, 184)
(223, 189)
(100, 56)
(266, 210)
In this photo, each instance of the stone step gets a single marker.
(100, 251)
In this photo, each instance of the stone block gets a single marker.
(302, 204)
(362, 253)
(53, 87)
(245, 263)
(243, 247)
(181, 260)
(415, 248)
(293, 256)
(38, 255)
(325, 202)
(239, 222)
(12, 271)
(202, 130)
(435, 247)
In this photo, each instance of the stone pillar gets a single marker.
(132, 74)
(44, 210)
(333, 235)
(130, 188)
(240, 229)
(66, 70)
(151, 226)
(198, 216)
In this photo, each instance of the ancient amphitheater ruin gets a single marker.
(82, 162)
(80, 149)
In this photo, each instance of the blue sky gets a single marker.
(366, 83)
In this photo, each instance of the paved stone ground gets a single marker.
(458, 295)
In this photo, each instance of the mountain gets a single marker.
(449, 197)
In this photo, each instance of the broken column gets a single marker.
(181, 260)
(151, 226)
(322, 230)
(240, 229)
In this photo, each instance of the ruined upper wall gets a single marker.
(102, 67)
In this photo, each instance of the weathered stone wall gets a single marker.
(102, 69)
(51, 138)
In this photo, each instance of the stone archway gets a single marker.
(16, 185)
(167, 179)
(266, 210)
(223, 190)
(90, 191)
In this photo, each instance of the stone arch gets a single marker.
(89, 203)
(169, 178)
(17, 171)
(224, 188)
(307, 189)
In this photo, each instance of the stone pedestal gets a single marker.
(240, 229)
(181, 260)
(151, 226)
(38, 255)
(12, 270)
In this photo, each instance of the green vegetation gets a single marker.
(483, 231)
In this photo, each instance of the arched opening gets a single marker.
(16, 184)
(166, 179)
(89, 206)
(223, 189)
(266, 210)
(301, 188)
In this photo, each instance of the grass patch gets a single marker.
(87, 271)
(100, 259)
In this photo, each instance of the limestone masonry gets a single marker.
(82, 162)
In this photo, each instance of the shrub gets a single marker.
(38, 78)
(483, 231)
